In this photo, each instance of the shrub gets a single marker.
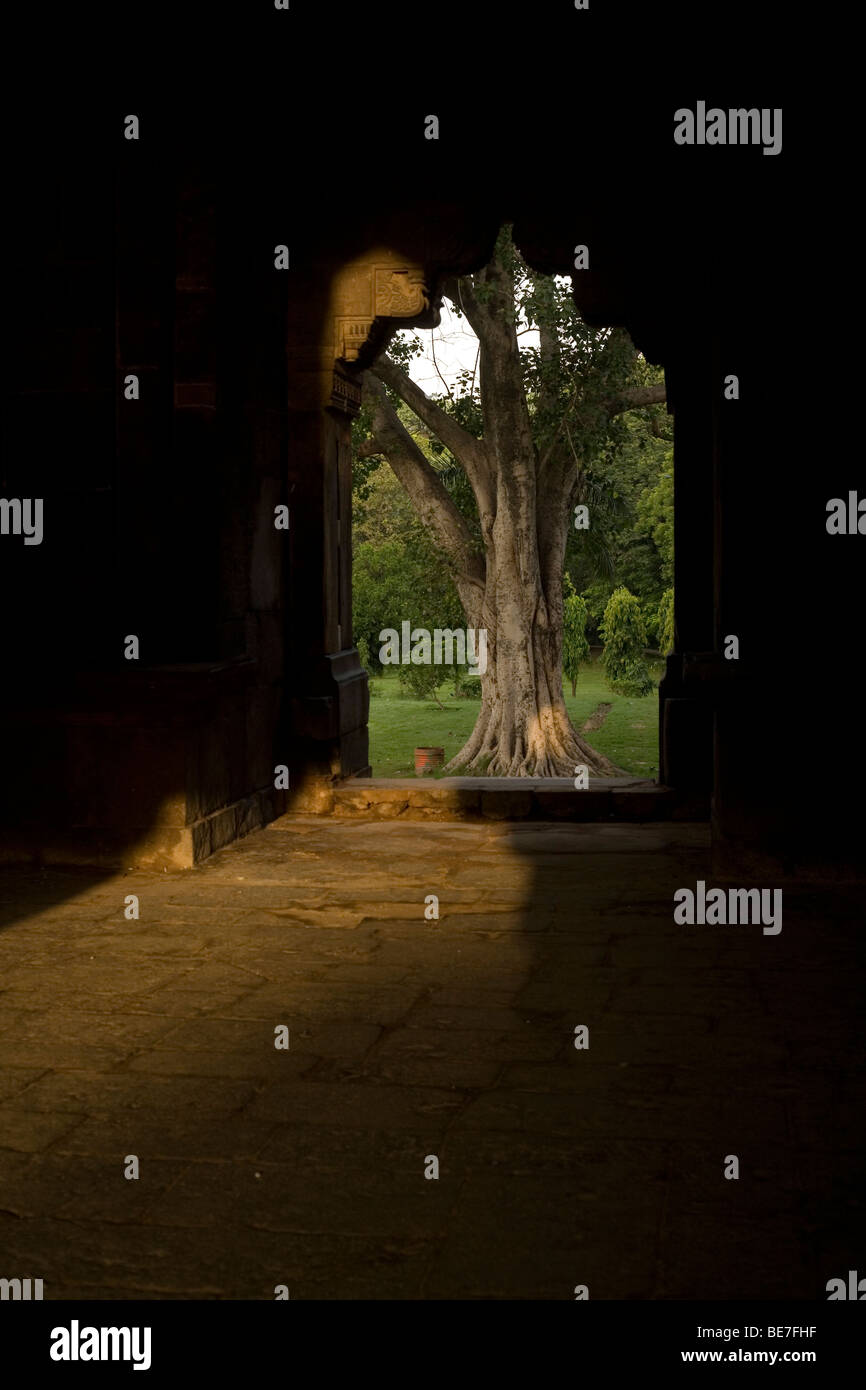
(421, 681)
(363, 648)
(666, 622)
(624, 634)
(467, 687)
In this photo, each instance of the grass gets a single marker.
(399, 724)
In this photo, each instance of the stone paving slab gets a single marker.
(412, 1039)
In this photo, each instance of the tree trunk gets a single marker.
(523, 728)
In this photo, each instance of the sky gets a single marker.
(456, 348)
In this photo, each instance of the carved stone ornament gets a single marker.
(371, 291)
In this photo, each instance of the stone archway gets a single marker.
(380, 291)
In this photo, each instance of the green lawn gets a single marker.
(400, 724)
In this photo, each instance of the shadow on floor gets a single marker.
(412, 1040)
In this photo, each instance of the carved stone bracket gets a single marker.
(367, 295)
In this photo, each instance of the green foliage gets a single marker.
(633, 679)
(467, 687)
(395, 583)
(624, 633)
(575, 647)
(595, 596)
(398, 573)
(649, 611)
(630, 539)
(422, 682)
(383, 511)
(362, 468)
(459, 488)
(363, 647)
(398, 576)
(666, 623)
(655, 519)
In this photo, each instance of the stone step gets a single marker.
(514, 798)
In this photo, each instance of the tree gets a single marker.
(423, 681)
(624, 636)
(575, 647)
(395, 582)
(523, 435)
(666, 622)
(656, 519)
(632, 520)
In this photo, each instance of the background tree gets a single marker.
(423, 681)
(632, 533)
(666, 623)
(394, 582)
(624, 634)
(398, 574)
(575, 647)
(523, 435)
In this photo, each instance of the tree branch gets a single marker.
(369, 448)
(468, 450)
(543, 461)
(444, 426)
(461, 293)
(504, 410)
(636, 399)
(435, 508)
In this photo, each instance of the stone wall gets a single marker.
(157, 259)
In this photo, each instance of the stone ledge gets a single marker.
(512, 798)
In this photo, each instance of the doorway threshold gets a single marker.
(515, 798)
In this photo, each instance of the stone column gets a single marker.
(340, 315)
(329, 690)
(768, 595)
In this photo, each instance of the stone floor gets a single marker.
(412, 1038)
